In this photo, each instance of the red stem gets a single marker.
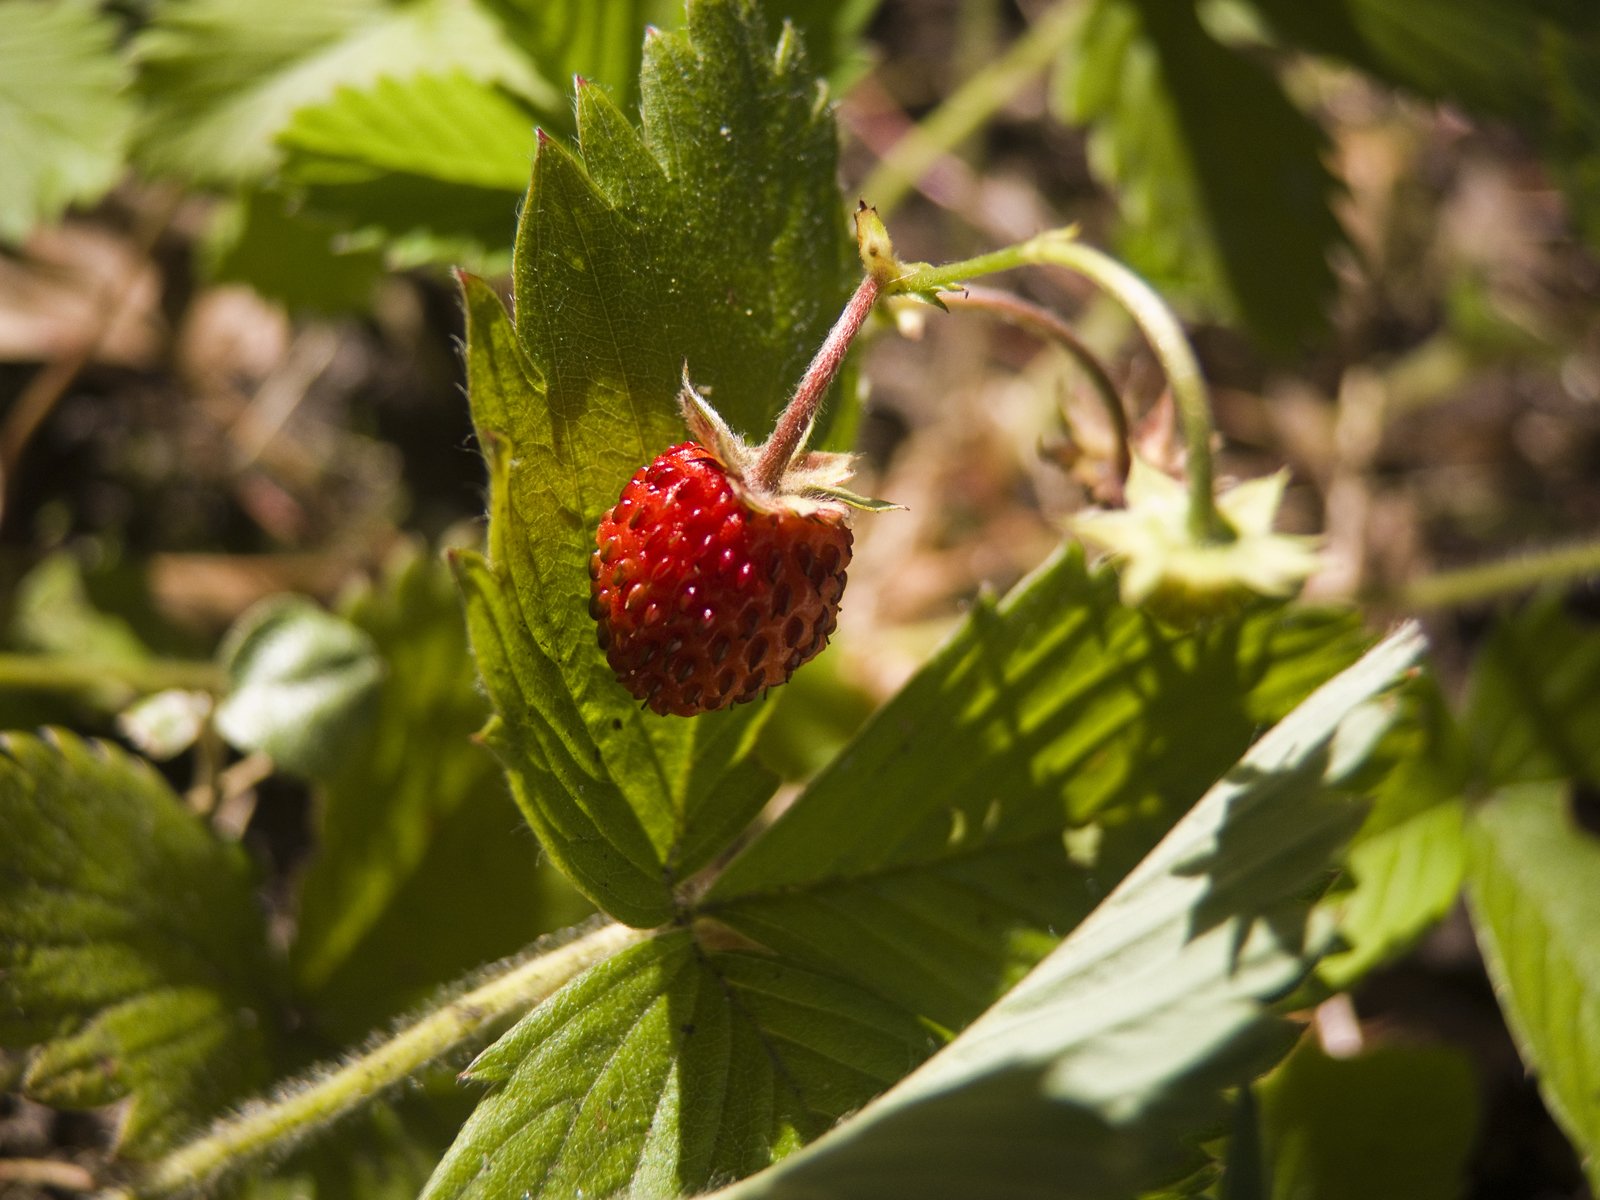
(802, 407)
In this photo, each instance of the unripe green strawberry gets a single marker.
(706, 592)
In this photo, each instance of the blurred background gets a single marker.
(228, 338)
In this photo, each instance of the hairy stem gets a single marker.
(1044, 323)
(1060, 248)
(970, 106)
(303, 1108)
(1469, 585)
(801, 411)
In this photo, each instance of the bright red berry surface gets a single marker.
(703, 601)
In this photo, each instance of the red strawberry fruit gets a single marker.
(707, 593)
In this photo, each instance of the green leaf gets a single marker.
(63, 116)
(1105, 1064)
(601, 42)
(52, 612)
(421, 871)
(1572, 69)
(264, 240)
(301, 683)
(669, 1066)
(927, 862)
(440, 157)
(1534, 708)
(1531, 880)
(1485, 54)
(222, 78)
(714, 239)
(1535, 62)
(1394, 1121)
(1404, 868)
(132, 955)
(1405, 880)
(1219, 177)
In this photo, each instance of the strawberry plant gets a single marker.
(1050, 921)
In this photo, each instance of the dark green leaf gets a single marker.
(1533, 877)
(222, 78)
(423, 869)
(1220, 178)
(264, 240)
(1395, 1121)
(301, 683)
(1534, 710)
(1105, 1065)
(832, 31)
(386, 1153)
(714, 239)
(1536, 62)
(1572, 129)
(132, 956)
(63, 116)
(667, 1067)
(1485, 54)
(927, 861)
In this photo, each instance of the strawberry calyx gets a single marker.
(811, 482)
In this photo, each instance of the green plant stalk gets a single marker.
(1486, 581)
(269, 1125)
(1061, 248)
(65, 673)
(969, 107)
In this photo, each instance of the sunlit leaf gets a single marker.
(667, 1067)
(1403, 870)
(1533, 877)
(221, 78)
(713, 239)
(133, 959)
(1106, 1063)
(63, 116)
(927, 862)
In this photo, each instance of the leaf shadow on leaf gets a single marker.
(1236, 866)
(1006, 1137)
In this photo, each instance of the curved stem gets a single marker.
(1156, 321)
(1468, 585)
(1046, 324)
(969, 107)
(272, 1124)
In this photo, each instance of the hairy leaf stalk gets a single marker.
(266, 1126)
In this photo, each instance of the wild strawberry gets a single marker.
(707, 594)
(719, 570)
